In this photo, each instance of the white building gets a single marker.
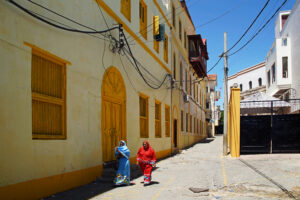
(283, 61)
(249, 80)
(212, 114)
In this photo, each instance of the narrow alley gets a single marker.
(200, 172)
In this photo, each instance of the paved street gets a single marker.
(202, 167)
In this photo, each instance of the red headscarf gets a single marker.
(146, 154)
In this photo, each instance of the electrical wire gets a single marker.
(214, 65)
(55, 25)
(151, 86)
(128, 75)
(257, 16)
(220, 16)
(92, 35)
(145, 69)
(258, 30)
(150, 81)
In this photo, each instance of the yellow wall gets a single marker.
(181, 56)
(234, 122)
(26, 162)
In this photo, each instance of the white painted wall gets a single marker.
(245, 78)
(292, 31)
(292, 51)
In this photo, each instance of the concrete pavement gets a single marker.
(202, 166)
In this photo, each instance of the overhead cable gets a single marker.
(55, 25)
(220, 16)
(259, 30)
(135, 62)
(257, 16)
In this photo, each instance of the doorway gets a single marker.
(113, 112)
(175, 133)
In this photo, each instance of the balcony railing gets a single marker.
(197, 54)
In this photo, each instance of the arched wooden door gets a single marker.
(113, 112)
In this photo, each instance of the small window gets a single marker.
(126, 9)
(173, 16)
(284, 42)
(174, 66)
(250, 85)
(284, 67)
(186, 81)
(180, 30)
(181, 75)
(166, 47)
(182, 121)
(273, 73)
(144, 116)
(190, 85)
(241, 87)
(191, 123)
(143, 19)
(283, 20)
(187, 122)
(207, 104)
(195, 125)
(259, 82)
(184, 40)
(48, 88)
(167, 121)
(157, 119)
(269, 78)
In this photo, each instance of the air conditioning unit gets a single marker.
(186, 98)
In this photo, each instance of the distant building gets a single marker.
(283, 61)
(212, 115)
(250, 80)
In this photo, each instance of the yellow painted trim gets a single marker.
(43, 53)
(115, 17)
(161, 12)
(43, 187)
(143, 95)
(157, 101)
(223, 172)
(163, 153)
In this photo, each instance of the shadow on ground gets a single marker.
(105, 182)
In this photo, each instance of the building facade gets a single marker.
(74, 84)
(189, 68)
(282, 61)
(250, 80)
(78, 77)
(212, 113)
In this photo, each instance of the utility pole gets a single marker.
(225, 123)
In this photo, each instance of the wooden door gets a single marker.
(112, 129)
(113, 112)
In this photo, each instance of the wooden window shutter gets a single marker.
(48, 86)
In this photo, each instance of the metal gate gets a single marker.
(270, 127)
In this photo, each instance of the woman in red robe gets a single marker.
(146, 159)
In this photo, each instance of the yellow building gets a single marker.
(189, 70)
(70, 92)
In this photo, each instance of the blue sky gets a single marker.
(240, 15)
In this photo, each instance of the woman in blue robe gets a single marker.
(123, 174)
